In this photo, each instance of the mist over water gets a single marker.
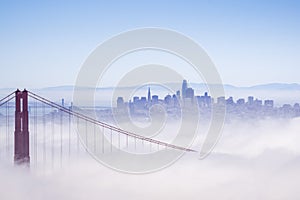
(252, 160)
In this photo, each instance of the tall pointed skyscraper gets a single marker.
(149, 95)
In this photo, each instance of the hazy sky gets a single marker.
(251, 42)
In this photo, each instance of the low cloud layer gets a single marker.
(253, 160)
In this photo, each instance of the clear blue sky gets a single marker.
(251, 42)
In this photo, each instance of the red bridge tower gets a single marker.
(21, 128)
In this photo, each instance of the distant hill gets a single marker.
(277, 86)
(280, 92)
(270, 86)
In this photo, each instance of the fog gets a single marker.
(252, 160)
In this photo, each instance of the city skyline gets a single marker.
(186, 100)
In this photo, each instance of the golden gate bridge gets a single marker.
(40, 125)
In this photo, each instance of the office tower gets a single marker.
(178, 94)
(154, 99)
(250, 100)
(258, 102)
(240, 101)
(269, 103)
(136, 99)
(167, 99)
(120, 102)
(184, 87)
(189, 93)
(149, 95)
(229, 101)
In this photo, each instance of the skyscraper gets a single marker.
(250, 100)
(189, 93)
(184, 87)
(120, 102)
(149, 95)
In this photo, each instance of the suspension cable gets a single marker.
(7, 97)
(1, 104)
(105, 125)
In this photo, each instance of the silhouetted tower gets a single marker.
(120, 103)
(149, 95)
(21, 128)
(184, 87)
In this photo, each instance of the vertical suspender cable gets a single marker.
(86, 134)
(77, 136)
(102, 139)
(111, 140)
(61, 137)
(52, 138)
(94, 138)
(8, 127)
(6, 137)
(44, 135)
(119, 140)
(69, 135)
